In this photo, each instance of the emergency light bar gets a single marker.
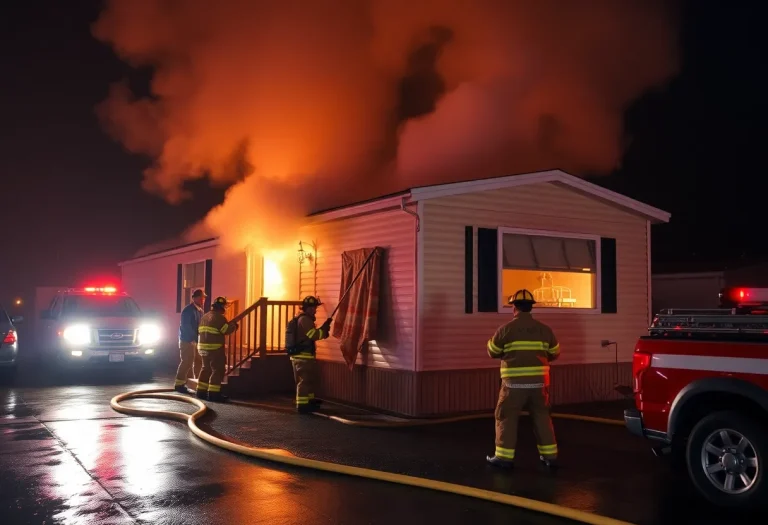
(94, 289)
(738, 296)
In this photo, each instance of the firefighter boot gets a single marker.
(182, 389)
(306, 409)
(202, 394)
(217, 397)
(550, 463)
(499, 462)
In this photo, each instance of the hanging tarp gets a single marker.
(357, 316)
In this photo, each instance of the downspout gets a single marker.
(413, 213)
(416, 286)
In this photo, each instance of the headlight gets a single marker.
(149, 334)
(78, 334)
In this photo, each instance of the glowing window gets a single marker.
(561, 272)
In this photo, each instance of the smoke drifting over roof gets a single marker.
(311, 103)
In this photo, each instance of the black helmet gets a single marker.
(522, 297)
(310, 301)
(220, 303)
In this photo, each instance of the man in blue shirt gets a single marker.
(190, 321)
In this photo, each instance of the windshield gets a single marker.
(100, 306)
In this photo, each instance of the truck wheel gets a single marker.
(726, 456)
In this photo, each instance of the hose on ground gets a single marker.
(287, 458)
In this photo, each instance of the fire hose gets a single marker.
(287, 458)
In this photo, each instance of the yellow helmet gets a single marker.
(521, 296)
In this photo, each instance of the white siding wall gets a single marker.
(395, 232)
(152, 283)
(452, 339)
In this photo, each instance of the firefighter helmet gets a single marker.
(522, 296)
(220, 302)
(310, 301)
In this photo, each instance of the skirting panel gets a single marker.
(459, 391)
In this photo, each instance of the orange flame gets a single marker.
(304, 105)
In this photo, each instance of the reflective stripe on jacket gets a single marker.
(213, 328)
(301, 336)
(525, 347)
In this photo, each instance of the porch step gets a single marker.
(272, 374)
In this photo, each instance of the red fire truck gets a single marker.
(700, 382)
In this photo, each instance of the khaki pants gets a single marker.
(212, 373)
(511, 402)
(189, 357)
(305, 374)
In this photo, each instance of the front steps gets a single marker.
(258, 376)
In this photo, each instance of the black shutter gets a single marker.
(487, 270)
(468, 269)
(608, 290)
(179, 286)
(208, 279)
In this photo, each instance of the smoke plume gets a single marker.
(304, 104)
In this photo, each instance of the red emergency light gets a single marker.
(103, 289)
(743, 296)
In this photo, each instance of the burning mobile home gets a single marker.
(451, 254)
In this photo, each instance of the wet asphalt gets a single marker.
(67, 457)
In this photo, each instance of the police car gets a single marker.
(97, 326)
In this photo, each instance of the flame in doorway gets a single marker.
(274, 284)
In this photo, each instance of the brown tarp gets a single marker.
(356, 319)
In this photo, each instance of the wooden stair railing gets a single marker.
(261, 331)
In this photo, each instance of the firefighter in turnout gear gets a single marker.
(525, 347)
(210, 345)
(300, 338)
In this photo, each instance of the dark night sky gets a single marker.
(73, 204)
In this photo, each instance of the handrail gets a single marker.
(260, 323)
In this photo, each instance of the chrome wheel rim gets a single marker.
(730, 461)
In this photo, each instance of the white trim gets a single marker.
(459, 188)
(706, 363)
(501, 230)
(363, 208)
(552, 176)
(418, 283)
(650, 275)
(173, 251)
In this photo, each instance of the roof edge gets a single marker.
(394, 200)
(553, 176)
(192, 246)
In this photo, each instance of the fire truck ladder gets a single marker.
(721, 321)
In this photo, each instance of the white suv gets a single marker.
(97, 326)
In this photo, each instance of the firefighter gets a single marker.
(190, 322)
(525, 347)
(210, 345)
(300, 338)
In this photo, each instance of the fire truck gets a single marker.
(700, 384)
